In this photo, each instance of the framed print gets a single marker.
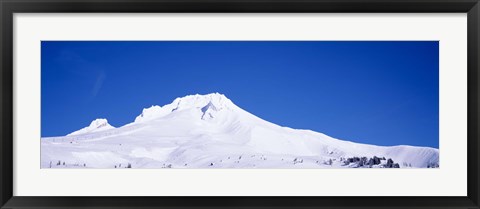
(266, 104)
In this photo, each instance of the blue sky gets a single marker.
(383, 93)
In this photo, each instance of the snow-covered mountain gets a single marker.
(210, 131)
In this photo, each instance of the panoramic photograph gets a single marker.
(239, 104)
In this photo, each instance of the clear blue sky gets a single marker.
(383, 93)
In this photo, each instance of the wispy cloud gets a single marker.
(98, 83)
(89, 70)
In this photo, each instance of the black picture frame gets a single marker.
(9, 7)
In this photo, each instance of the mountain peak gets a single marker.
(213, 101)
(199, 101)
(98, 124)
(209, 108)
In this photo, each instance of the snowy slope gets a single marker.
(210, 131)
